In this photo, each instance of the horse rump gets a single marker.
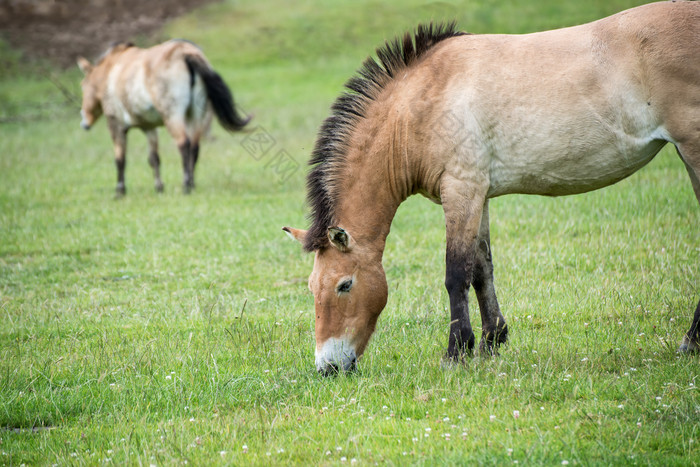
(218, 93)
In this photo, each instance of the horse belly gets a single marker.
(578, 144)
(562, 171)
(147, 117)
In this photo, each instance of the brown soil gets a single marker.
(62, 30)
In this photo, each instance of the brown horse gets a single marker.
(465, 118)
(171, 84)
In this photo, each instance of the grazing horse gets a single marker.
(171, 84)
(464, 118)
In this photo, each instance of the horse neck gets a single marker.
(100, 76)
(104, 68)
(373, 185)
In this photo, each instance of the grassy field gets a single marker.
(171, 329)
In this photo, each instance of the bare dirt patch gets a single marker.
(62, 30)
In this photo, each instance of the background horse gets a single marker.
(465, 118)
(171, 84)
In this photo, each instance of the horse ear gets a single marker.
(84, 65)
(296, 234)
(339, 238)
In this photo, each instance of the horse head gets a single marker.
(91, 108)
(350, 291)
(94, 81)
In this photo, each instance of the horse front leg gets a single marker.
(463, 206)
(494, 327)
(154, 158)
(178, 130)
(118, 133)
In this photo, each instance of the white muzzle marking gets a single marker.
(335, 355)
(83, 122)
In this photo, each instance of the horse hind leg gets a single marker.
(192, 160)
(187, 165)
(198, 125)
(190, 153)
(189, 162)
(691, 157)
(154, 158)
(178, 131)
(494, 327)
(195, 154)
(194, 149)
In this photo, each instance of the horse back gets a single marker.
(147, 87)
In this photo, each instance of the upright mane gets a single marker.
(331, 147)
(112, 47)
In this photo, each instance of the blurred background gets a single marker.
(61, 30)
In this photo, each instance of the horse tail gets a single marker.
(218, 93)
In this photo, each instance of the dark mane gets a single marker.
(331, 144)
(112, 46)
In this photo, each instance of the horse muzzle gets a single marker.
(84, 120)
(336, 355)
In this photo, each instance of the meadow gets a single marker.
(165, 329)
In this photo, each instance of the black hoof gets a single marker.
(688, 346)
(460, 346)
(492, 341)
(487, 349)
(187, 187)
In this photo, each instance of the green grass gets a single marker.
(159, 329)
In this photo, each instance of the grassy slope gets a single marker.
(165, 328)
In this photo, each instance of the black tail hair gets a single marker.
(218, 93)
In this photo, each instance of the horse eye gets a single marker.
(345, 286)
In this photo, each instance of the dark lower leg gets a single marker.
(187, 165)
(121, 164)
(153, 158)
(457, 280)
(195, 152)
(154, 162)
(118, 134)
(494, 327)
(691, 340)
